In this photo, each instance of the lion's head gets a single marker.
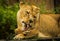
(27, 21)
(28, 16)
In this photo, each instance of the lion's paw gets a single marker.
(19, 36)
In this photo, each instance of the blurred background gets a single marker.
(9, 8)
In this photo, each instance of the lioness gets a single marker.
(30, 23)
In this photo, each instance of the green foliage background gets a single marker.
(7, 20)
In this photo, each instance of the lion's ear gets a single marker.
(21, 4)
(35, 7)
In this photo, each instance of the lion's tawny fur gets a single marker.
(46, 26)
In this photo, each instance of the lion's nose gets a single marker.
(23, 22)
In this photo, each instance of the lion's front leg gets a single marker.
(19, 33)
(19, 36)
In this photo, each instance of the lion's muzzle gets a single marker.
(27, 25)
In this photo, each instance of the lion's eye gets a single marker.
(34, 16)
(23, 22)
(27, 12)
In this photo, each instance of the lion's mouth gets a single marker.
(27, 26)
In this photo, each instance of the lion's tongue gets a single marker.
(26, 28)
